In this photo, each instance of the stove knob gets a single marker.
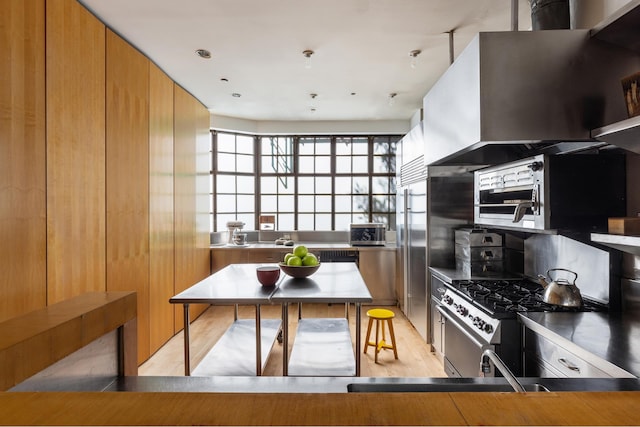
(488, 328)
(463, 310)
(447, 299)
(535, 166)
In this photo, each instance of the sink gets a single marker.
(437, 387)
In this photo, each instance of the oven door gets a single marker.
(462, 349)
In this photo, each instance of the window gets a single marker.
(234, 180)
(307, 182)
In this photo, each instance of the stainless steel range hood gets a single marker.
(515, 94)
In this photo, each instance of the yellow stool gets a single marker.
(380, 315)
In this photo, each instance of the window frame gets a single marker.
(294, 176)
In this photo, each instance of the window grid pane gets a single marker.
(307, 182)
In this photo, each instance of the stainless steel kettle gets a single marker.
(560, 291)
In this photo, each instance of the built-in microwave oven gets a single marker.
(369, 234)
(547, 192)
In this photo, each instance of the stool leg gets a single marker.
(383, 342)
(375, 359)
(366, 340)
(393, 338)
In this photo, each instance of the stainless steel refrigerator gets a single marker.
(411, 229)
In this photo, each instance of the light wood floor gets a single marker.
(414, 356)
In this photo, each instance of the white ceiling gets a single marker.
(361, 47)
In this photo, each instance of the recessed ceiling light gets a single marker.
(307, 55)
(414, 57)
(203, 53)
(236, 95)
(392, 98)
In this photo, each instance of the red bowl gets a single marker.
(268, 275)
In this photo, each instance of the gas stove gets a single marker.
(482, 313)
(483, 304)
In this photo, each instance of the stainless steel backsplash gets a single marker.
(592, 265)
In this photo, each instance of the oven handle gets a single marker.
(459, 326)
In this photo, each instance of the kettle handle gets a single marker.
(562, 269)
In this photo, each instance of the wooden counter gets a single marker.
(167, 408)
(36, 340)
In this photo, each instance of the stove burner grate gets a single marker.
(498, 296)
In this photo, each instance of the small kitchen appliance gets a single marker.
(546, 192)
(479, 252)
(234, 228)
(368, 234)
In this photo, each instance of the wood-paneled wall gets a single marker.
(127, 127)
(75, 151)
(191, 240)
(162, 255)
(22, 158)
(104, 176)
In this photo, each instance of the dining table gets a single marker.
(326, 339)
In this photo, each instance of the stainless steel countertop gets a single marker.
(596, 337)
(310, 245)
(339, 384)
(231, 384)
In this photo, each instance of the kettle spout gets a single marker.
(543, 280)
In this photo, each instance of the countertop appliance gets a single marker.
(479, 252)
(481, 313)
(575, 192)
(368, 234)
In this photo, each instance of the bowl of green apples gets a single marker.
(300, 263)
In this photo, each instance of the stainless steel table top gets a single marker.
(234, 284)
(337, 282)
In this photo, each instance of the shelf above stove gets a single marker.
(630, 244)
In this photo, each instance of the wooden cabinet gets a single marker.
(76, 191)
(127, 177)
(222, 257)
(22, 158)
(161, 215)
(271, 256)
(87, 159)
(192, 145)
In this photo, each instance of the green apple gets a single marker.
(287, 256)
(309, 260)
(294, 261)
(300, 251)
